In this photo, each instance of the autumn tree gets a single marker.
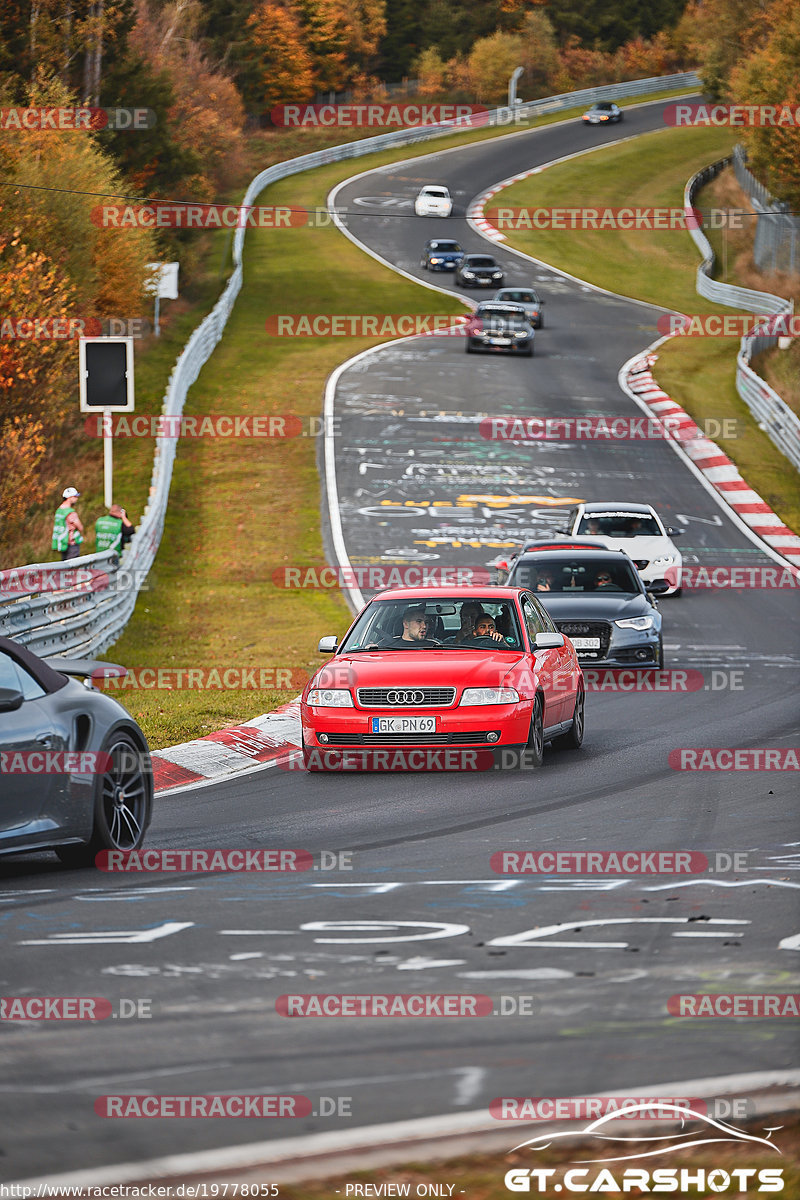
(35, 376)
(430, 70)
(492, 61)
(770, 76)
(282, 69)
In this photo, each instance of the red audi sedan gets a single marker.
(462, 667)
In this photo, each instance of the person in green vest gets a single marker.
(114, 531)
(67, 526)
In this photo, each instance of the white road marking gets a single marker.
(437, 929)
(531, 973)
(735, 883)
(468, 1086)
(537, 936)
(115, 937)
(790, 943)
(711, 933)
(422, 964)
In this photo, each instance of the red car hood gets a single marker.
(422, 668)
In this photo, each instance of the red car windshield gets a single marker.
(484, 624)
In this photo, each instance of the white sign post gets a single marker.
(106, 386)
(163, 284)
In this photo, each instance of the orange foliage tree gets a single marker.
(278, 54)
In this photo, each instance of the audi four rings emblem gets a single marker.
(405, 697)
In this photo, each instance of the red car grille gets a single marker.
(406, 697)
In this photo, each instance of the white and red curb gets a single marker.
(714, 464)
(271, 738)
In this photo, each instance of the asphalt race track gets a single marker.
(421, 910)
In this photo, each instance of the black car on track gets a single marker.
(75, 770)
(479, 270)
(500, 327)
(598, 600)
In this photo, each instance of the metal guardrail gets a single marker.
(81, 621)
(772, 413)
(776, 245)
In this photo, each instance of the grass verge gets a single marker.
(660, 268)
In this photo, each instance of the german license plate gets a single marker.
(403, 724)
(586, 643)
(499, 342)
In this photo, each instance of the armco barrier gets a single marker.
(84, 623)
(771, 412)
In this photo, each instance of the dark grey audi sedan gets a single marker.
(75, 769)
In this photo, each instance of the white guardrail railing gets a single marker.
(771, 412)
(45, 605)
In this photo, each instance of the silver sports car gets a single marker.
(75, 770)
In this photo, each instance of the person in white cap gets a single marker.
(67, 526)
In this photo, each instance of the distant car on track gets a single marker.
(639, 531)
(598, 600)
(479, 270)
(530, 300)
(504, 562)
(458, 667)
(500, 327)
(602, 113)
(433, 201)
(441, 254)
(77, 776)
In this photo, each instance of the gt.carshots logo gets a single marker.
(378, 116)
(614, 1175)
